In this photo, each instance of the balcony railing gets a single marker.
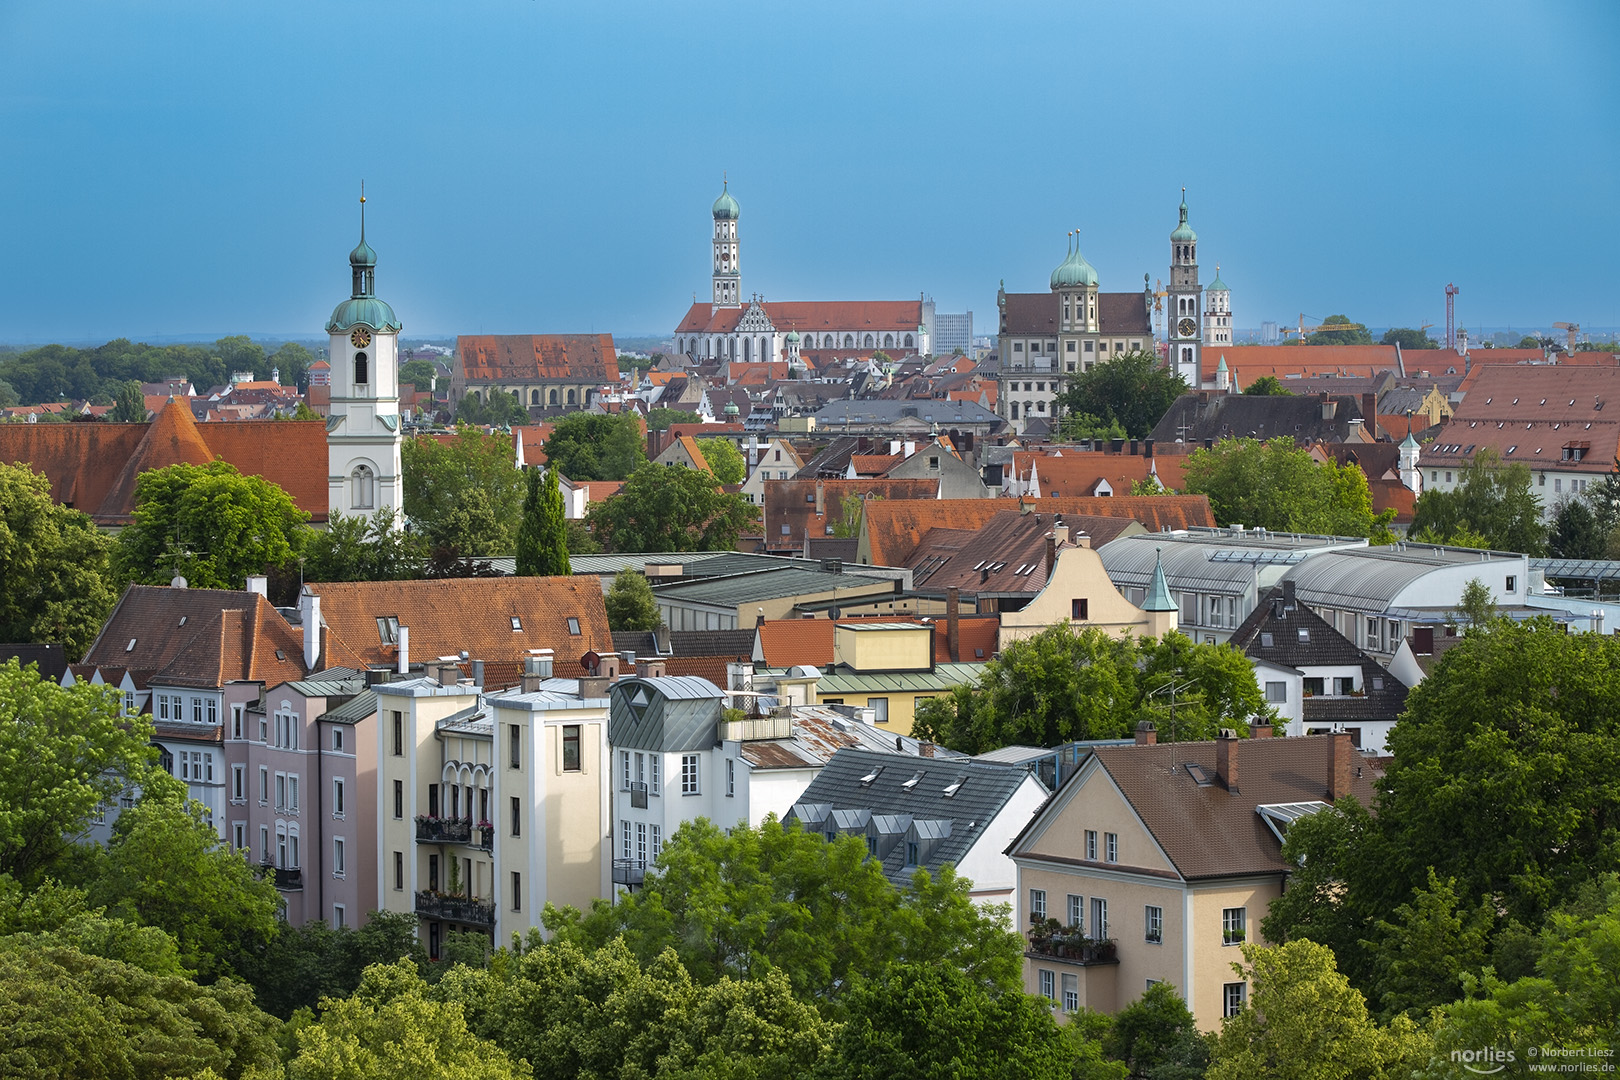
(629, 871)
(638, 796)
(286, 879)
(432, 830)
(462, 909)
(1076, 948)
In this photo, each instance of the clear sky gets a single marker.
(193, 168)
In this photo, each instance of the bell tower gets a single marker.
(727, 274)
(1185, 329)
(363, 436)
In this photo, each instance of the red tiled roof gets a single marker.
(1038, 313)
(1529, 414)
(1247, 363)
(791, 505)
(1079, 472)
(197, 637)
(534, 438)
(496, 357)
(856, 316)
(894, 527)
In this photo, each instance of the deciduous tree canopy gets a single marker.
(464, 494)
(670, 509)
(595, 446)
(54, 564)
(1493, 501)
(1133, 390)
(630, 602)
(1277, 485)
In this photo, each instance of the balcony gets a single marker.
(286, 879)
(432, 830)
(629, 871)
(638, 796)
(1072, 946)
(460, 909)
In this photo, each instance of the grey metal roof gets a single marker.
(1367, 579)
(669, 714)
(942, 677)
(764, 585)
(323, 687)
(354, 710)
(950, 825)
(1187, 567)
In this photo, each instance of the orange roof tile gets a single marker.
(485, 357)
(291, 454)
(900, 316)
(792, 509)
(894, 527)
(1080, 472)
(198, 637)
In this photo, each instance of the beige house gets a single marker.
(1080, 593)
(491, 805)
(1156, 861)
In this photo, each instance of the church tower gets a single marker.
(364, 474)
(1184, 293)
(727, 272)
(1217, 312)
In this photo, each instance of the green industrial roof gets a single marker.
(943, 677)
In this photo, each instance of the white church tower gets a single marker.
(364, 474)
(1217, 312)
(727, 273)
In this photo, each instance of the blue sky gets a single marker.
(192, 168)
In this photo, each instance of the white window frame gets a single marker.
(1037, 904)
(1234, 921)
(1153, 924)
(691, 775)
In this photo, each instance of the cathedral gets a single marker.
(759, 331)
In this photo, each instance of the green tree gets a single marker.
(1420, 957)
(852, 509)
(293, 361)
(54, 564)
(725, 461)
(241, 353)
(1214, 687)
(580, 540)
(1352, 334)
(64, 751)
(1304, 1020)
(463, 493)
(1156, 1038)
(8, 395)
(1408, 339)
(1277, 485)
(591, 446)
(1133, 391)
(1078, 426)
(417, 373)
(1267, 386)
(1492, 500)
(209, 523)
(129, 405)
(392, 1029)
(630, 602)
(667, 509)
(542, 538)
(166, 867)
(923, 1022)
(303, 964)
(662, 419)
(1476, 606)
(501, 410)
(71, 1014)
(1148, 485)
(750, 901)
(357, 548)
(1575, 533)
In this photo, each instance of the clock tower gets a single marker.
(1185, 330)
(364, 474)
(727, 274)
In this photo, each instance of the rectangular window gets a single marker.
(656, 842)
(624, 839)
(1234, 925)
(264, 730)
(399, 800)
(339, 916)
(1277, 692)
(641, 768)
(517, 891)
(213, 711)
(1079, 609)
(517, 816)
(912, 851)
(399, 871)
(731, 777)
(1048, 985)
(624, 770)
(641, 842)
(239, 835)
(1077, 911)
(1071, 992)
(292, 794)
(196, 710)
(689, 774)
(514, 737)
(337, 740)
(1512, 586)
(264, 785)
(1099, 918)
(1091, 845)
(236, 717)
(399, 735)
(573, 627)
(337, 797)
(1233, 996)
(1155, 925)
(281, 791)
(433, 873)
(1037, 905)
(338, 867)
(570, 737)
(1111, 846)
(1372, 634)
(264, 844)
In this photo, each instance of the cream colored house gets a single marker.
(1080, 593)
(1157, 861)
(491, 805)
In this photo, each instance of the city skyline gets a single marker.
(185, 169)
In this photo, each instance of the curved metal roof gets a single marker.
(1371, 578)
(1130, 561)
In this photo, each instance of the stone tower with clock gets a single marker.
(1184, 294)
(364, 474)
(727, 273)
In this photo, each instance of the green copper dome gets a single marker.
(1218, 285)
(792, 337)
(363, 311)
(725, 207)
(1409, 443)
(1184, 233)
(363, 255)
(1074, 271)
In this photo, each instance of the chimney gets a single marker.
(1329, 406)
(1116, 446)
(821, 499)
(953, 625)
(1080, 540)
(608, 667)
(447, 672)
(925, 749)
(593, 686)
(536, 669)
(1340, 769)
(404, 650)
(309, 612)
(654, 669)
(1051, 553)
(1288, 593)
(478, 673)
(1147, 448)
(1226, 759)
(1060, 531)
(1369, 411)
(1146, 733)
(1260, 729)
(1133, 448)
(258, 583)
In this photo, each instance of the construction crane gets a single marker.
(1304, 330)
(1572, 329)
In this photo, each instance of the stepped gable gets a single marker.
(171, 439)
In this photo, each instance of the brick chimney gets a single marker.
(1226, 759)
(925, 749)
(1146, 733)
(953, 624)
(1260, 729)
(653, 669)
(1341, 766)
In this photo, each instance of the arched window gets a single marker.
(361, 375)
(534, 397)
(747, 349)
(553, 400)
(909, 343)
(363, 486)
(570, 397)
(849, 341)
(888, 341)
(869, 342)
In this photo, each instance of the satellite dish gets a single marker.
(178, 582)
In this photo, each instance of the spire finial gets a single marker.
(362, 211)
(724, 180)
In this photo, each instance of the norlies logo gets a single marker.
(1485, 1062)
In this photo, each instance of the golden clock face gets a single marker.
(1186, 327)
(360, 338)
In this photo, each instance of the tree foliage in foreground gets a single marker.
(671, 509)
(353, 547)
(1062, 684)
(630, 602)
(54, 564)
(1277, 485)
(1492, 501)
(751, 901)
(463, 494)
(596, 446)
(1132, 391)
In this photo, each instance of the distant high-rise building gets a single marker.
(952, 332)
(1268, 333)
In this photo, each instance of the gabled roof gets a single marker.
(495, 357)
(1195, 417)
(1249, 362)
(1079, 473)
(914, 788)
(198, 637)
(1030, 314)
(856, 316)
(791, 506)
(892, 529)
